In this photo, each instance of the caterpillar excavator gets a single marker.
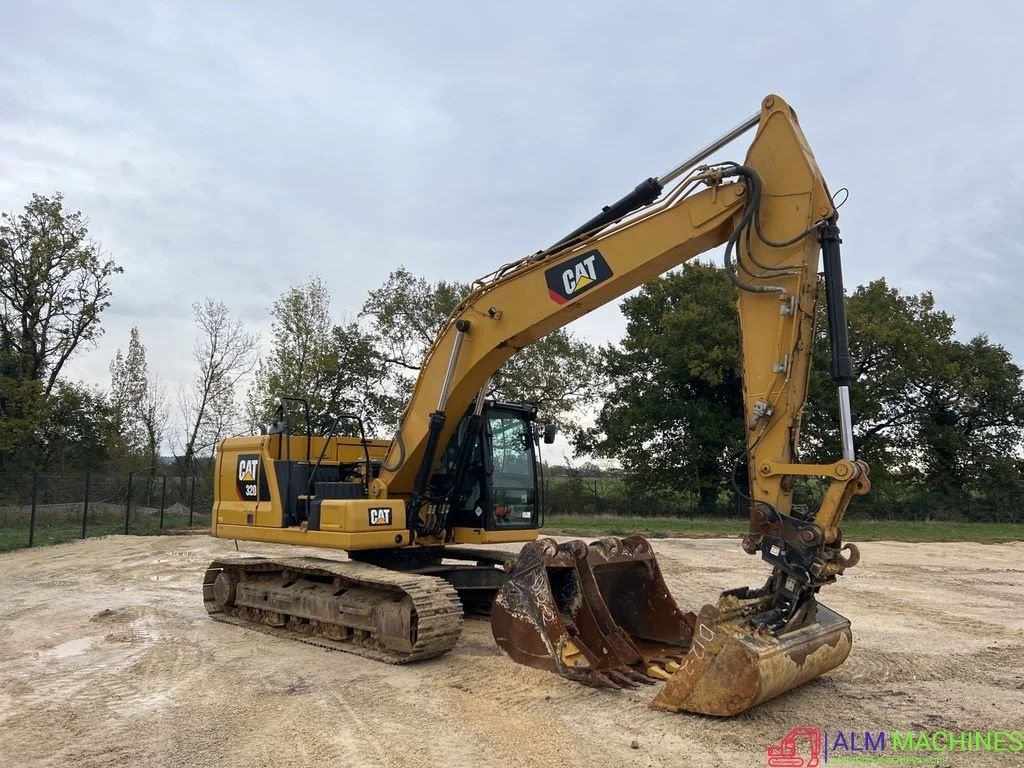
(461, 471)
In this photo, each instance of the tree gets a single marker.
(970, 424)
(77, 432)
(300, 348)
(54, 285)
(897, 344)
(22, 411)
(333, 366)
(361, 380)
(407, 313)
(153, 419)
(935, 417)
(557, 373)
(138, 403)
(939, 420)
(129, 375)
(224, 353)
(673, 413)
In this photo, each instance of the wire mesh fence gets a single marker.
(42, 508)
(623, 495)
(50, 508)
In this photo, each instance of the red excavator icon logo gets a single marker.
(785, 755)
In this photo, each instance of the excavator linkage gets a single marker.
(603, 616)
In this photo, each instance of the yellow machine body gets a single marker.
(461, 470)
(252, 484)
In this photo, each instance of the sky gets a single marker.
(233, 149)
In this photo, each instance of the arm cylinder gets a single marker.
(841, 367)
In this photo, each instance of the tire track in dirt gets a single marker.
(989, 663)
(109, 660)
(946, 621)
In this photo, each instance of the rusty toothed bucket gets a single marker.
(603, 616)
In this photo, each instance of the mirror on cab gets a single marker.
(549, 433)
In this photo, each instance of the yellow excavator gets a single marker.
(461, 471)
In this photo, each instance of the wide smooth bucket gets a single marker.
(731, 667)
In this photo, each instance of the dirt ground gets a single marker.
(107, 658)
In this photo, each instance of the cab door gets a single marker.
(512, 470)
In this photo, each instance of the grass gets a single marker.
(57, 529)
(853, 530)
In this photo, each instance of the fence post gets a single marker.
(163, 498)
(85, 506)
(128, 504)
(32, 515)
(191, 501)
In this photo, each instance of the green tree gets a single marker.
(937, 419)
(333, 366)
(78, 432)
(299, 361)
(897, 344)
(361, 380)
(153, 418)
(129, 374)
(407, 313)
(137, 404)
(673, 413)
(556, 373)
(22, 411)
(970, 421)
(54, 285)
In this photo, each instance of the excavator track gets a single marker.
(354, 607)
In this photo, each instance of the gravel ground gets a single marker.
(107, 658)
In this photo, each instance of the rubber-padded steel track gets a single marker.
(437, 612)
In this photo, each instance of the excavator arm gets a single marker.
(602, 614)
(775, 215)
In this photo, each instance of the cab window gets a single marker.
(513, 481)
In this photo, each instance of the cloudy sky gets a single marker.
(232, 149)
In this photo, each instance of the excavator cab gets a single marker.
(492, 459)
